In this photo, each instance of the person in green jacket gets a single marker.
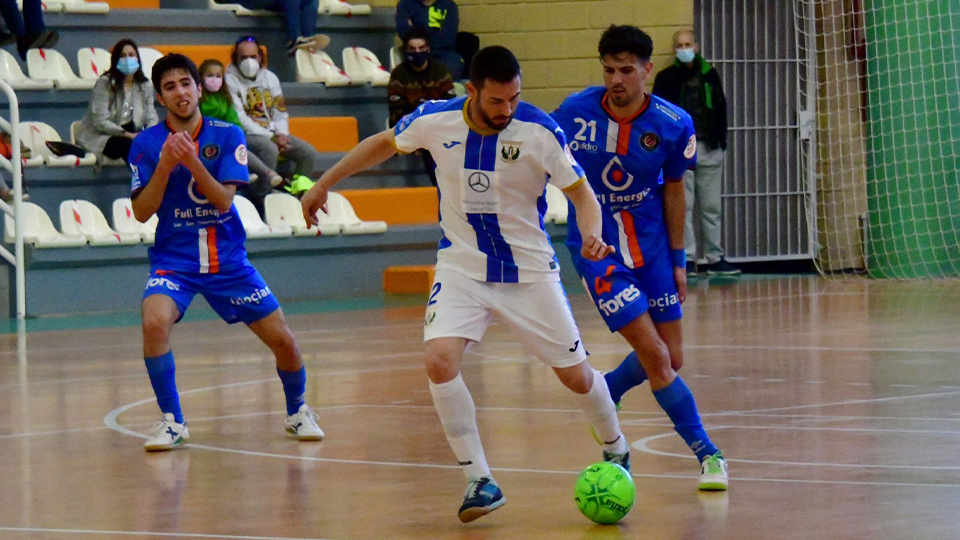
(215, 102)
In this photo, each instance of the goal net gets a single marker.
(880, 119)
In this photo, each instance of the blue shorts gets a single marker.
(622, 294)
(238, 295)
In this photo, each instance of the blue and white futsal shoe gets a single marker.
(167, 435)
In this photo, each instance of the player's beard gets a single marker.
(498, 125)
(194, 111)
(626, 98)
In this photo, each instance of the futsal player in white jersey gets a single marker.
(494, 155)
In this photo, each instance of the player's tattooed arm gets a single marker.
(589, 220)
(675, 212)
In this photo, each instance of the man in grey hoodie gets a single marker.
(258, 99)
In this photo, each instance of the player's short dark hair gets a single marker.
(626, 39)
(495, 63)
(173, 61)
(417, 32)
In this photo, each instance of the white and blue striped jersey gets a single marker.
(492, 188)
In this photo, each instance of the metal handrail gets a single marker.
(15, 166)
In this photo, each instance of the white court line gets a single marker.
(834, 404)
(643, 446)
(150, 533)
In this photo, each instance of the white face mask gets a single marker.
(250, 67)
(685, 55)
(212, 83)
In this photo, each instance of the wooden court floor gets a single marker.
(837, 403)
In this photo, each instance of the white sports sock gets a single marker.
(455, 408)
(602, 413)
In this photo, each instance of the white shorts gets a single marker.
(538, 313)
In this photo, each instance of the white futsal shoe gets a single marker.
(167, 435)
(303, 425)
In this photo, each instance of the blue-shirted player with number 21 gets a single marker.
(634, 148)
(186, 171)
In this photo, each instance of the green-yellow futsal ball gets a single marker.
(605, 492)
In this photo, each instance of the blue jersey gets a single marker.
(192, 235)
(626, 162)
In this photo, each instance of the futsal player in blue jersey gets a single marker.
(186, 171)
(495, 155)
(634, 148)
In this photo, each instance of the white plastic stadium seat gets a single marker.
(396, 57)
(283, 209)
(50, 64)
(29, 139)
(253, 225)
(10, 71)
(362, 66)
(340, 7)
(105, 161)
(343, 214)
(78, 217)
(125, 222)
(35, 135)
(238, 9)
(319, 67)
(80, 6)
(39, 230)
(557, 208)
(92, 62)
(149, 57)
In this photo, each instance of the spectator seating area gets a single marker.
(381, 218)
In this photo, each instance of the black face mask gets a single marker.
(417, 59)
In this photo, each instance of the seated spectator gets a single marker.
(415, 80)
(441, 18)
(121, 106)
(27, 30)
(258, 99)
(215, 102)
(299, 20)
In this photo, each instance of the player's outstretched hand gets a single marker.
(680, 277)
(313, 201)
(594, 248)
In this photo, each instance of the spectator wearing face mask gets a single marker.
(258, 99)
(417, 79)
(120, 107)
(215, 102)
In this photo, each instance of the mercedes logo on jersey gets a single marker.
(479, 182)
(194, 194)
(615, 176)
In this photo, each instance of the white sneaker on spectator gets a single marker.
(303, 425)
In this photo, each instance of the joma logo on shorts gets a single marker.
(162, 281)
(254, 298)
(624, 297)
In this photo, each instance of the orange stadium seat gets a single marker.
(327, 133)
(396, 206)
(199, 53)
(134, 4)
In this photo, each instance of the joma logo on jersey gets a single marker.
(624, 297)
(162, 282)
(254, 298)
(510, 151)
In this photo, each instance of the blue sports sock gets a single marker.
(294, 387)
(627, 375)
(162, 371)
(678, 403)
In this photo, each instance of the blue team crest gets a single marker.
(210, 152)
(649, 141)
